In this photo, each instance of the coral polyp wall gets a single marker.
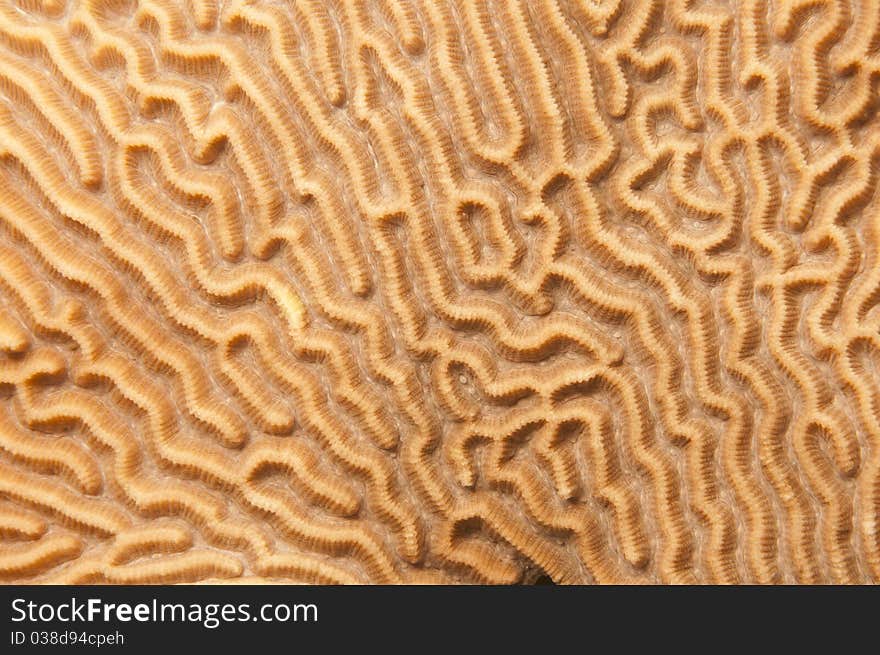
(439, 291)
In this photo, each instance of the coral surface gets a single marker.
(439, 291)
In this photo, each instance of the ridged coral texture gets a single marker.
(439, 291)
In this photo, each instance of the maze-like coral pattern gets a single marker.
(439, 291)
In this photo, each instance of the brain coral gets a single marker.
(439, 291)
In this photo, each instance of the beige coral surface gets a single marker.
(439, 291)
